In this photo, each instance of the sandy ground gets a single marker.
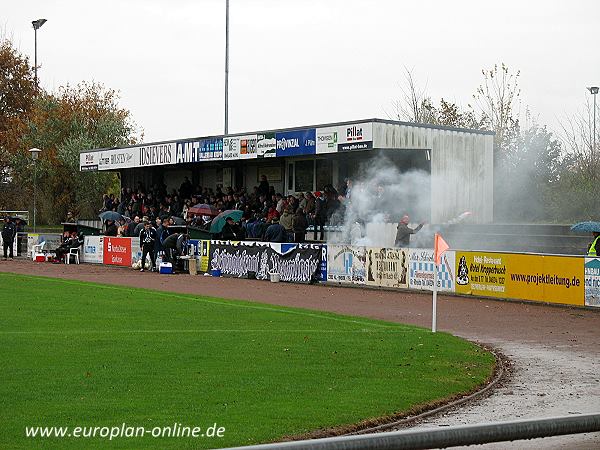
(554, 350)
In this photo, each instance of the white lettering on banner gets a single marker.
(283, 143)
(116, 248)
(187, 152)
(294, 269)
(235, 264)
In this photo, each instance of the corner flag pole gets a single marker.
(439, 247)
(434, 312)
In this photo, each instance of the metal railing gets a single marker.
(448, 436)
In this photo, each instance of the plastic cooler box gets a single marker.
(165, 268)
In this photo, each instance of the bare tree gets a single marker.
(498, 100)
(576, 134)
(414, 105)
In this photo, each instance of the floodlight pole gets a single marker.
(594, 91)
(35, 153)
(226, 66)
(36, 25)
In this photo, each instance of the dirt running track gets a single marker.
(555, 350)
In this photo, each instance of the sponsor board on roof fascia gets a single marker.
(231, 148)
(88, 161)
(297, 142)
(266, 145)
(344, 138)
(248, 146)
(139, 156)
(197, 150)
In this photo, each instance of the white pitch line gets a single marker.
(67, 332)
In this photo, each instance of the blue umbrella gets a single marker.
(110, 215)
(219, 222)
(587, 227)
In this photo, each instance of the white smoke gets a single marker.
(377, 201)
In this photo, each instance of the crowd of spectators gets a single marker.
(266, 214)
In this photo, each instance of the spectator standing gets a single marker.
(299, 225)
(263, 187)
(404, 231)
(131, 226)
(320, 216)
(9, 231)
(148, 244)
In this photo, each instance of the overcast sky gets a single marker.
(303, 62)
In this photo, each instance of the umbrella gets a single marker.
(203, 209)
(219, 221)
(23, 221)
(110, 215)
(587, 227)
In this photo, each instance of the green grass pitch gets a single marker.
(89, 355)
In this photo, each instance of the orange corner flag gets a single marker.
(440, 246)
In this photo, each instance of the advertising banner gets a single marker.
(248, 146)
(231, 148)
(211, 149)
(117, 251)
(295, 143)
(299, 264)
(421, 270)
(346, 264)
(592, 282)
(387, 267)
(327, 139)
(553, 279)
(204, 253)
(345, 138)
(124, 158)
(266, 145)
(88, 161)
(92, 249)
(136, 251)
(199, 150)
(355, 137)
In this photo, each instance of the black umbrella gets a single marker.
(23, 221)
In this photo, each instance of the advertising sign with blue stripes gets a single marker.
(421, 270)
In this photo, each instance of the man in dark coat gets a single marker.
(148, 239)
(232, 231)
(111, 228)
(299, 225)
(263, 187)
(174, 246)
(320, 216)
(276, 232)
(404, 232)
(9, 231)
